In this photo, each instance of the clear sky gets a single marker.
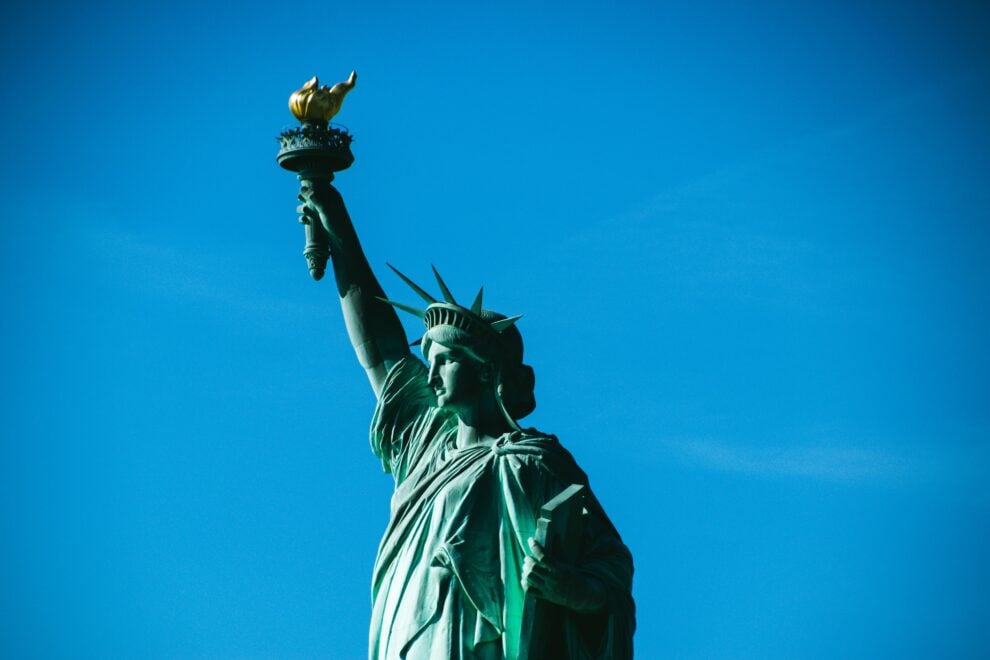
(750, 241)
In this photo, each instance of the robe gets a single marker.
(447, 577)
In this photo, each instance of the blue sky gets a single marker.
(750, 243)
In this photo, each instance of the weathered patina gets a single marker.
(496, 546)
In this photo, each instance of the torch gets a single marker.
(314, 150)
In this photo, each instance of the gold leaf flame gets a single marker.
(312, 103)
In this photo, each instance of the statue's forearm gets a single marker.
(373, 326)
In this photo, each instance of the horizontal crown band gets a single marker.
(456, 316)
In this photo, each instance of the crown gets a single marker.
(449, 312)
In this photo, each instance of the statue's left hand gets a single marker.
(560, 583)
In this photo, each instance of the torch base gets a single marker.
(314, 146)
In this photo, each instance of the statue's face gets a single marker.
(457, 379)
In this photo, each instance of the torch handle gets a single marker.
(317, 250)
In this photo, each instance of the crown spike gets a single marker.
(502, 325)
(405, 308)
(476, 305)
(416, 343)
(443, 287)
(415, 287)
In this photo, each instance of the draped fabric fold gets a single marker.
(447, 577)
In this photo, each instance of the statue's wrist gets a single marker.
(338, 225)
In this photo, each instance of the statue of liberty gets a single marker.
(461, 570)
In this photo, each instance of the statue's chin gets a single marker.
(444, 401)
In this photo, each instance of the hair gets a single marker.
(504, 351)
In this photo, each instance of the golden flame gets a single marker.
(312, 103)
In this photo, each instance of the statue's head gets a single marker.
(487, 341)
(498, 355)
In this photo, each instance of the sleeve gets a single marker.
(537, 469)
(404, 409)
(608, 633)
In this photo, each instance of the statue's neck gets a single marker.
(480, 425)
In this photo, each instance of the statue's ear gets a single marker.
(486, 373)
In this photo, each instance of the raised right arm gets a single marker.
(373, 326)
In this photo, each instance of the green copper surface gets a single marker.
(496, 547)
